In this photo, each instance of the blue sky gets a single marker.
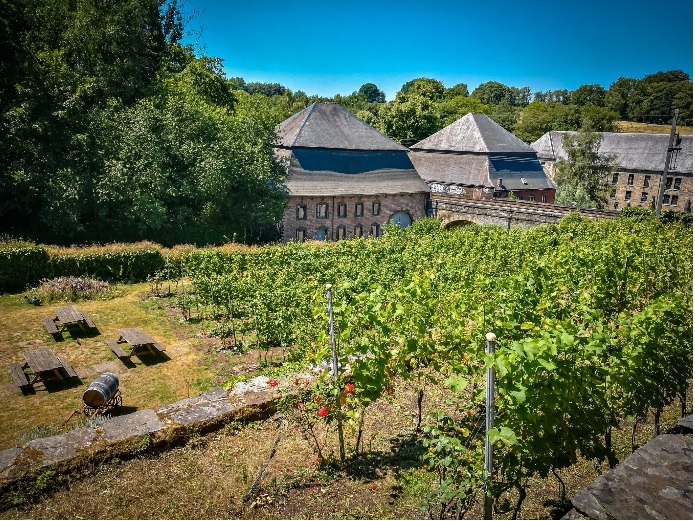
(333, 47)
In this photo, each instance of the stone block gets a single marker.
(63, 446)
(138, 423)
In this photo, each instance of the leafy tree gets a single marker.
(589, 95)
(267, 89)
(618, 95)
(452, 109)
(372, 93)
(492, 93)
(458, 90)
(427, 87)
(582, 176)
(538, 118)
(550, 96)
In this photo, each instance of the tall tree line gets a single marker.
(114, 130)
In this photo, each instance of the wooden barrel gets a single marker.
(101, 390)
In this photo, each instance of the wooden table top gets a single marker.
(69, 315)
(134, 336)
(41, 360)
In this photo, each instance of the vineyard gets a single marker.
(593, 322)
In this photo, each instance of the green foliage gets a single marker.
(581, 177)
(21, 265)
(133, 264)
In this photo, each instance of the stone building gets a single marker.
(344, 178)
(639, 166)
(475, 158)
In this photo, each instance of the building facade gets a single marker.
(475, 158)
(344, 178)
(639, 161)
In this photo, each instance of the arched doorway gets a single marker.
(402, 219)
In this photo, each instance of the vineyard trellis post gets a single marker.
(334, 352)
(489, 419)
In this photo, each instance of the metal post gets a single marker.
(490, 339)
(662, 183)
(335, 371)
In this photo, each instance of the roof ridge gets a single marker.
(311, 109)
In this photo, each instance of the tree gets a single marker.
(618, 95)
(460, 89)
(492, 93)
(581, 177)
(372, 93)
(427, 87)
(589, 95)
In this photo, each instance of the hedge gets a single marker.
(21, 265)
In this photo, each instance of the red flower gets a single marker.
(273, 383)
(349, 388)
(306, 382)
(372, 487)
(317, 399)
(322, 412)
(296, 381)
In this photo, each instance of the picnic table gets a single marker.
(43, 365)
(137, 341)
(68, 317)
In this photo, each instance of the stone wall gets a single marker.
(301, 214)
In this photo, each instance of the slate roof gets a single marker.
(476, 151)
(633, 152)
(476, 133)
(333, 153)
(329, 125)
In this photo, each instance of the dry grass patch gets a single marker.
(650, 128)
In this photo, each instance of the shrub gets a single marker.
(21, 265)
(70, 289)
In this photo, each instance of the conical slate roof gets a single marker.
(476, 133)
(329, 125)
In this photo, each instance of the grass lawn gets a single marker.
(149, 383)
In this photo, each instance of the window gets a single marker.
(669, 183)
(532, 198)
(301, 212)
(666, 200)
(358, 230)
(615, 205)
(674, 200)
(612, 196)
(677, 183)
(359, 209)
(630, 179)
(376, 230)
(628, 195)
(402, 219)
(340, 232)
(342, 210)
(300, 235)
(544, 199)
(647, 181)
(376, 208)
(322, 211)
(615, 178)
(643, 198)
(321, 234)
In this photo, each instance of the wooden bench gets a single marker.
(117, 350)
(19, 376)
(68, 368)
(89, 322)
(50, 326)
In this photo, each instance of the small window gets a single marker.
(612, 196)
(342, 210)
(358, 230)
(376, 208)
(615, 205)
(340, 232)
(301, 212)
(628, 195)
(615, 178)
(322, 211)
(321, 234)
(677, 183)
(666, 200)
(359, 209)
(630, 179)
(300, 235)
(647, 181)
(544, 199)
(376, 230)
(532, 198)
(674, 200)
(669, 183)
(643, 198)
